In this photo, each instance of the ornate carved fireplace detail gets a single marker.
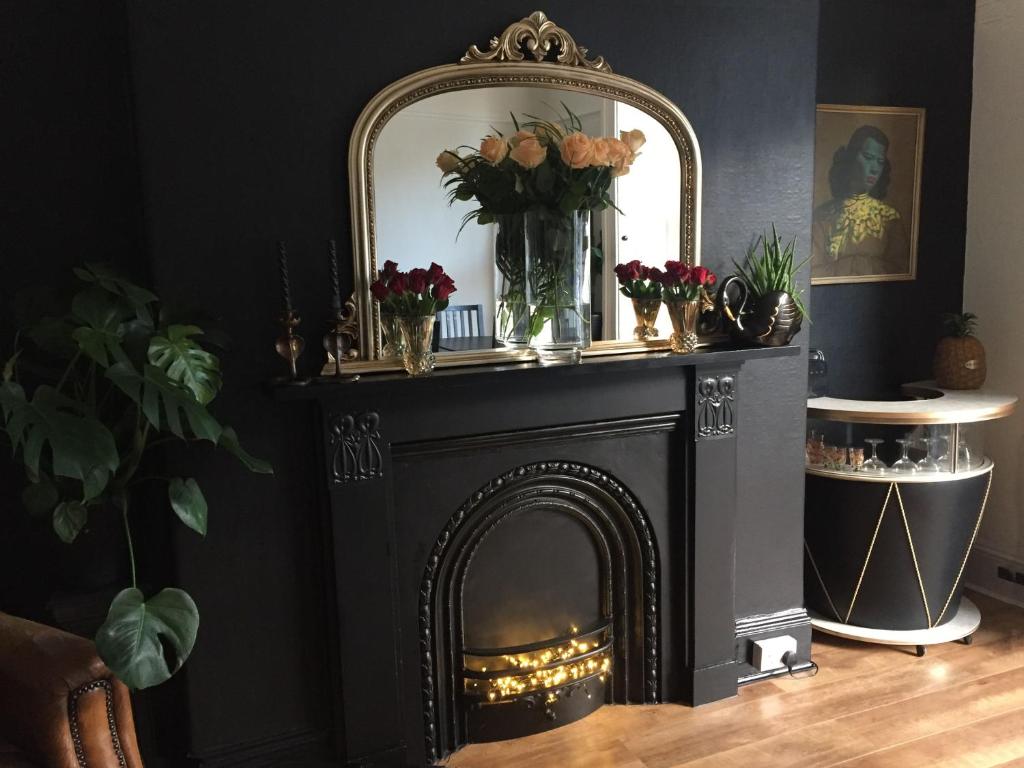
(563, 587)
(355, 445)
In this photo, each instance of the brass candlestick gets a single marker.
(289, 344)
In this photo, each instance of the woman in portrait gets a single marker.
(856, 233)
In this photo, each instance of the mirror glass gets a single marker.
(415, 225)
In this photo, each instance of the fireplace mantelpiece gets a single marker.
(402, 456)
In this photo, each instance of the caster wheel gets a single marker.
(920, 651)
(967, 640)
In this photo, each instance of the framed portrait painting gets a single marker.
(867, 190)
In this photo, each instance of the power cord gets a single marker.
(791, 659)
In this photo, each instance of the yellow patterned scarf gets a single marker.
(862, 216)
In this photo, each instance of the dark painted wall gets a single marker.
(914, 53)
(243, 113)
(69, 193)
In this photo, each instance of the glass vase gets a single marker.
(684, 315)
(646, 311)
(511, 310)
(418, 336)
(558, 284)
(394, 345)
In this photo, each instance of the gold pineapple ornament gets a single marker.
(960, 356)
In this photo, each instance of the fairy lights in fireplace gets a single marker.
(545, 669)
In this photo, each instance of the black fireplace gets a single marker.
(539, 603)
(514, 546)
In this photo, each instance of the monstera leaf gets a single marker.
(81, 447)
(164, 400)
(101, 332)
(229, 442)
(133, 639)
(68, 519)
(186, 362)
(188, 503)
(104, 277)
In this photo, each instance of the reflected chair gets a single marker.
(461, 321)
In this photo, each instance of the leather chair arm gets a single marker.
(59, 703)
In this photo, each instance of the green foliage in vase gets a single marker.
(769, 267)
(959, 324)
(83, 403)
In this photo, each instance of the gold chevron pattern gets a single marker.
(894, 488)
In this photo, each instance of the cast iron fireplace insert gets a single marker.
(539, 603)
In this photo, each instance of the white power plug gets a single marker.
(769, 653)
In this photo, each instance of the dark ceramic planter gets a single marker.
(771, 320)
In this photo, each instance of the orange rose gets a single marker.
(529, 152)
(493, 149)
(617, 151)
(448, 161)
(518, 137)
(602, 153)
(577, 150)
(633, 139)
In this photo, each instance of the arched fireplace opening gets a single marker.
(539, 603)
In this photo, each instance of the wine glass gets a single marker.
(874, 464)
(928, 463)
(905, 463)
(963, 455)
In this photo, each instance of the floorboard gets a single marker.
(868, 707)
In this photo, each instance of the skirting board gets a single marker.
(793, 621)
(980, 575)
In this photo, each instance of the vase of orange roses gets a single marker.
(551, 176)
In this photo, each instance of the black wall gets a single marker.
(243, 113)
(69, 193)
(914, 53)
(243, 117)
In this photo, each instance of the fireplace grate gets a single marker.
(558, 680)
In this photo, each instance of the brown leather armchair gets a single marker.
(60, 707)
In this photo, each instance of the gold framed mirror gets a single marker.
(400, 211)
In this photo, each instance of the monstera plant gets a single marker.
(84, 399)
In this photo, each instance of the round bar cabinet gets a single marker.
(895, 494)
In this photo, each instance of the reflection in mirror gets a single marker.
(415, 224)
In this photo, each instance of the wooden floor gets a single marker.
(868, 706)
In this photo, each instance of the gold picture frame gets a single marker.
(867, 193)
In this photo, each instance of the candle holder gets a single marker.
(289, 344)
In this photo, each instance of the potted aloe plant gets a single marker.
(107, 383)
(762, 303)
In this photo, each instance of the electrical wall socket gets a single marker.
(768, 653)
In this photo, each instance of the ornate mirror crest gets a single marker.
(536, 32)
(505, 64)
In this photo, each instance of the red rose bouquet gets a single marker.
(637, 282)
(683, 283)
(416, 293)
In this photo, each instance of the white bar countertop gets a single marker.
(931, 406)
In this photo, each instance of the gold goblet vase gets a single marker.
(646, 311)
